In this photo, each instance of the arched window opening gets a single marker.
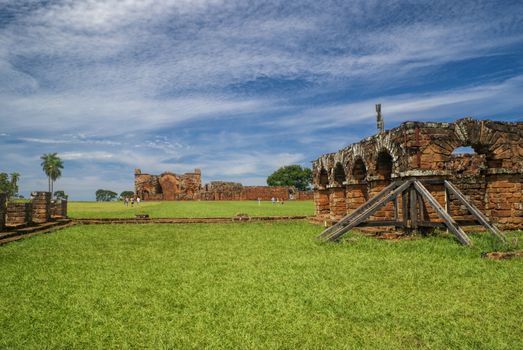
(464, 150)
(359, 171)
(472, 159)
(324, 177)
(384, 165)
(339, 174)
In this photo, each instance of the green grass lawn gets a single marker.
(188, 209)
(254, 285)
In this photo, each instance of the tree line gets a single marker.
(52, 167)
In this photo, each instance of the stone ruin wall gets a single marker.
(39, 210)
(169, 186)
(491, 178)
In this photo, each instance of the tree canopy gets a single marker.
(10, 186)
(126, 194)
(105, 195)
(291, 175)
(60, 195)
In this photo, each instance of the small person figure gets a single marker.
(273, 200)
(132, 201)
(259, 200)
(126, 201)
(137, 201)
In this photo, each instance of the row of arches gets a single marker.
(357, 172)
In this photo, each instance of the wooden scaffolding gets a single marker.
(414, 196)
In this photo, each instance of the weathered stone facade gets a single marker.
(19, 214)
(41, 207)
(170, 186)
(59, 209)
(492, 178)
(37, 211)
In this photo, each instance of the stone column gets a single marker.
(18, 214)
(504, 200)
(3, 199)
(338, 207)
(356, 195)
(59, 208)
(387, 212)
(41, 207)
(321, 203)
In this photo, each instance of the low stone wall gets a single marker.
(41, 207)
(59, 208)
(264, 192)
(303, 195)
(18, 214)
(3, 198)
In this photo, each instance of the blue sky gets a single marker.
(238, 88)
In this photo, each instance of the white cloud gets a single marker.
(174, 85)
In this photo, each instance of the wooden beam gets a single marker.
(371, 210)
(404, 209)
(413, 209)
(449, 221)
(358, 211)
(395, 207)
(482, 219)
(374, 223)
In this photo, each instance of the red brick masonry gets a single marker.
(492, 178)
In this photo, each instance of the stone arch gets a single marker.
(485, 139)
(339, 176)
(359, 170)
(323, 177)
(384, 165)
(387, 145)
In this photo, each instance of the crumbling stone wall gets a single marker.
(492, 178)
(303, 195)
(221, 190)
(19, 214)
(168, 185)
(41, 207)
(265, 192)
(59, 209)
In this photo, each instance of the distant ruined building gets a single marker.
(188, 186)
(491, 178)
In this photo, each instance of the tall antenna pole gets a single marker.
(379, 119)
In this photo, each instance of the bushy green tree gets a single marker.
(291, 175)
(126, 194)
(105, 195)
(5, 185)
(10, 186)
(60, 195)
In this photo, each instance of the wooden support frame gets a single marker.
(448, 220)
(413, 197)
(358, 211)
(482, 219)
(368, 211)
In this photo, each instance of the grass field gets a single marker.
(254, 285)
(188, 209)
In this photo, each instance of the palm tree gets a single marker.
(51, 165)
(14, 182)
